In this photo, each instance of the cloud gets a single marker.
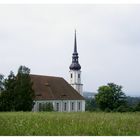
(42, 38)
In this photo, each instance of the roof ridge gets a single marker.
(45, 75)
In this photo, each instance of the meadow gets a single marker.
(69, 124)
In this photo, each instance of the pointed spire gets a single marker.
(75, 64)
(75, 44)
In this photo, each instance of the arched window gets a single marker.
(71, 75)
(78, 75)
(57, 106)
(79, 106)
(65, 106)
(40, 107)
(72, 106)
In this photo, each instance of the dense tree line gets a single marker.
(16, 93)
(109, 98)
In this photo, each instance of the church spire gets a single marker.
(75, 44)
(75, 64)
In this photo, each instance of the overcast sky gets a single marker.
(41, 37)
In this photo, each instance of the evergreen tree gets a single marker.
(7, 95)
(1, 82)
(24, 94)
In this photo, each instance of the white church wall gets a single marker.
(59, 105)
(83, 105)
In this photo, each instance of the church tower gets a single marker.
(75, 70)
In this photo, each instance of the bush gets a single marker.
(46, 107)
(121, 109)
(124, 108)
(137, 108)
(90, 105)
(107, 110)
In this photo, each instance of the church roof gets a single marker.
(53, 88)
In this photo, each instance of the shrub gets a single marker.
(137, 108)
(107, 110)
(46, 107)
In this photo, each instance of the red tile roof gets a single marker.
(53, 88)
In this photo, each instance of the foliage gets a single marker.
(24, 94)
(69, 124)
(132, 101)
(46, 107)
(1, 82)
(7, 99)
(90, 105)
(110, 97)
(17, 94)
(137, 108)
(107, 110)
(122, 108)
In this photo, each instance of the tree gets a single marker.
(1, 82)
(137, 108)
(90, 105)
(16, 93)
(110, 97)
(7, 94)
(24, 94)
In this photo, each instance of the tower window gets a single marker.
(78, 75)
(71, 75)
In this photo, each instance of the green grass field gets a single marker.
(69, 124)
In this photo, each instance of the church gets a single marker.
(64, 96)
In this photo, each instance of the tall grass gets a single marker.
(69, 124)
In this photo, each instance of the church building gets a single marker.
(64, 96)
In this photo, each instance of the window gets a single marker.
(39, 106)
(79, 106)
(57, 106)
(78, 75)
(65, 106)
(71, 75)
(72, 106)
